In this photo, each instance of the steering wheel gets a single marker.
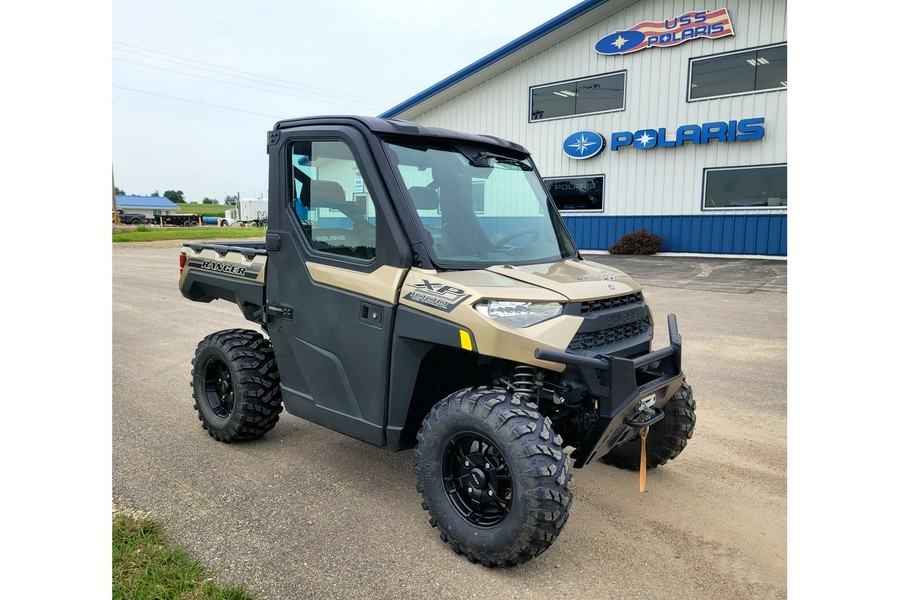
(535, 234)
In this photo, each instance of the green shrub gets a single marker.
(638, 242)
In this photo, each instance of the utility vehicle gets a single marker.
(417, 289)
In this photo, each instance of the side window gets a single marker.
(331, 199)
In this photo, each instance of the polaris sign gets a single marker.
(732, 131)
(671, 32)
(585, 144)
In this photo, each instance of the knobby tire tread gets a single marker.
(530, 446)
(251, 359)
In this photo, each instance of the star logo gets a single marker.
(582, 144)
(620, 41)
(645, 139)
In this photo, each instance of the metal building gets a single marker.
(643, 114)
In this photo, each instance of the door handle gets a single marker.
(370, 314)
(280, 310)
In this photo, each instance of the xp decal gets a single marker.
(583, 144)
(436, 295)
(671, 32)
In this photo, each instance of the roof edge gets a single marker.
(517, 44)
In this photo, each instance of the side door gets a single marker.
(337, 258)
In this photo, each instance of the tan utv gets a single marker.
(417, 289)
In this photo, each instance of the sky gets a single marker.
(196, 84)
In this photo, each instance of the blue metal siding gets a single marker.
(707, 234)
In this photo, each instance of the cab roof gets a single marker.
(380, 126)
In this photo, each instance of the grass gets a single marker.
(147, 567)
(204, 210)
(153, 234)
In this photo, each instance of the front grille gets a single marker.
(612, 325)
(594, 339)
(607, 303)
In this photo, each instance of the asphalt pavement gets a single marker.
(734, 275)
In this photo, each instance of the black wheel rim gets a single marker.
(477, 479)
(219, 388)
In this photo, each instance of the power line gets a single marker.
(290, 83)
(237, 84)
(195, 101)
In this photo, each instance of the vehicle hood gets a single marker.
(566, 280)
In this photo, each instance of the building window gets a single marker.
(748, 72)
(577, 193)
(745, 187)
(605, 93)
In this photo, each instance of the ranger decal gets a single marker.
(223, 267)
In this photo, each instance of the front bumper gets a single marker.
(621, 386)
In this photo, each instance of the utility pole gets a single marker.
(115, 212)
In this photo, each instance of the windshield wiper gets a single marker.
(481, 158)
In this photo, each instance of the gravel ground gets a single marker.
(308, 513)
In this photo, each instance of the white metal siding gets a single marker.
(660, 181)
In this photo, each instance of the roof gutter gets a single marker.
(496, 56)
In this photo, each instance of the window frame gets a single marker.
(313, 253)
(574, 212)
(531, 89)
(697, 59)
(704, 187)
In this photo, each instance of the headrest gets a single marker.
(323, 192)
(424, 198)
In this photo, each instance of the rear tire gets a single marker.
(236, 385)
(665, 440)
(493, 476)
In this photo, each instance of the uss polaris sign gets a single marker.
(671, 32)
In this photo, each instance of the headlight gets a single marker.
(519, 314)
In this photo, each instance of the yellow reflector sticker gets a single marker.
(465, 340)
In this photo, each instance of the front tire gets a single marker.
(665, 440)
(236, 385)
(493, 476)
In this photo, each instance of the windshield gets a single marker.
(480, 208)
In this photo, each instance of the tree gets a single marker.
(155, 194)
(119, 192)
(177, 197)
(210, 201)
(232, 200)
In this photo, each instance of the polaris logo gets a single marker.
(583, 144)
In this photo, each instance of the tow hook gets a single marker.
(647, 414)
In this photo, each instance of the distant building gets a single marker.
(151, 206)
(642, 114)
